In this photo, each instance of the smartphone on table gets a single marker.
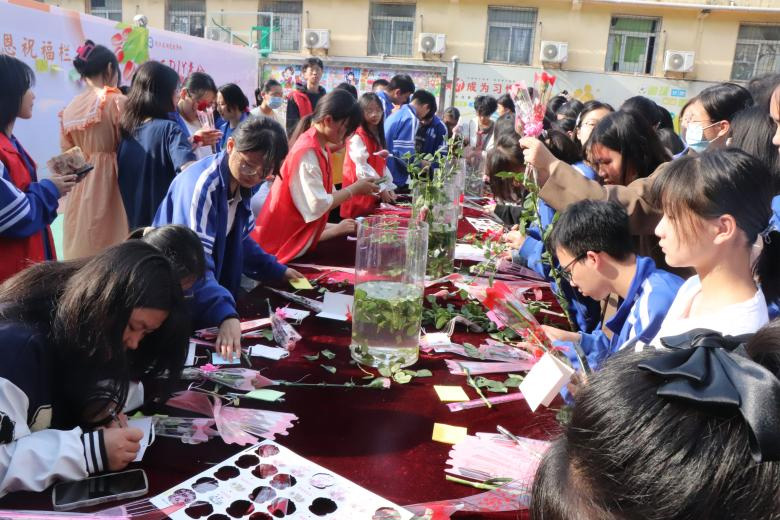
(99, 489)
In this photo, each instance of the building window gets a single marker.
(391, 29)
(286, 27)
(111, 9)
(631, 45)
(510, 35)
(187, 16)
(757, 52)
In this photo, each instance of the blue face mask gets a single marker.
(275, 102)
(694, 137)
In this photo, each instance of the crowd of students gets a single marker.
(665, 244)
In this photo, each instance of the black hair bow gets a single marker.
(707, 368)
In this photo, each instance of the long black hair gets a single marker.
(338, 104)
(634, 139)
(724, 100)
(151, 95)
(365, 101)
(93, 60)
(16, 78)
(719, 182)
(752, 131)
(234, 96)
(84, 307)
(628, 453)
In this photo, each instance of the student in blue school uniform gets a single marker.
(212, 197)
(397, 92)
(592, 241)
(401, 131)
(431, 135)
(153, 148)
(233, 106)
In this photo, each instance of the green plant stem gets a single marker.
(478, 485)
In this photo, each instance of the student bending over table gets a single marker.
(72, 341)
(592, 242)
(212, 197)
(295, 215)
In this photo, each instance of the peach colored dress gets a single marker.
(95, 217)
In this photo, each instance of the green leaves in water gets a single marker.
(441, 251)
(397, 315)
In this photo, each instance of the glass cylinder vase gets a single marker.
(389, 285)
(438, 203)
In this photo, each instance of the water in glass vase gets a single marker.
(386, 323)
(441, 251)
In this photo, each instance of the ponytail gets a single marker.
(303, 125)
(767, 266)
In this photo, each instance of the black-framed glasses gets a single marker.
(566, 273)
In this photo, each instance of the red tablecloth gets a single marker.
(380, 439)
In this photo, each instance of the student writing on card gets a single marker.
(592, 241)
(72, 341)
(212, 198)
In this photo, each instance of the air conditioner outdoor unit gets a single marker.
(316, 38)
(554, 52)
(432, 43)
(678, 61)
(218, 34)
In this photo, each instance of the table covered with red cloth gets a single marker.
(380, 439)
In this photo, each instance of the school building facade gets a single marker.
(713, 40)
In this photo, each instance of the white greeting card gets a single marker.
(545, 380)
(270, 481)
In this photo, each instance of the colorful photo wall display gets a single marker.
(268, 481)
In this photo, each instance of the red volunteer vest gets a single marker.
(18, 253)
(280, 229)
(303, 102)
(361, 205)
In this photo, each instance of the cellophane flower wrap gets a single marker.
(509, 306)
(285, 334)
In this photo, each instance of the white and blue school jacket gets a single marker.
(774, 224)
(584, 311)
(387, 105)
(639, 315)
(400, 132)
(24, 213)
(198, 199)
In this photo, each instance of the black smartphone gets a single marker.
(85, 170)
(97, 490)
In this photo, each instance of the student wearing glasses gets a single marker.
(212, 197)
(592, 241)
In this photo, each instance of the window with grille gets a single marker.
(286, 27)
(510, 35)
(631, 45)
(111, 9)
(757, 51)
(391, 29)
(187, 16)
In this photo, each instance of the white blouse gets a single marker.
(358, 152)
(307, 190)
(739, 318)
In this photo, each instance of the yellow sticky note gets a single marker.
(301, 283)
(451, 394)
(448, 434)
